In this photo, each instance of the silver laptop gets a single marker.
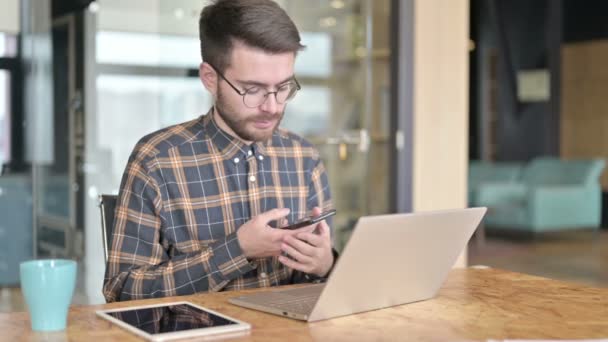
(389, 260)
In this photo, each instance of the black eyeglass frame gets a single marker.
(244, 93)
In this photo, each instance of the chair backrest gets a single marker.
(107, 204)
(482, 172)
(554, 171)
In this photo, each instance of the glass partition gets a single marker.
(146, 58)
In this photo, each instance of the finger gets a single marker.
(304, 259)
(281, 234)
(294, 264)
(311, 239)
(272, 215)
(307, 229)
(316, 211)
(300, 246)
(323, 229)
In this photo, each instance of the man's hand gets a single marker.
(258, 240)
(311, 252)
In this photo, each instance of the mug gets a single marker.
(48, 286)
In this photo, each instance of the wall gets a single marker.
(440, 141)
(534, 128)
(525, 130)
(9, 16)
(585, 20)
(584, 115)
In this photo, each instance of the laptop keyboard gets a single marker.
(300, 300)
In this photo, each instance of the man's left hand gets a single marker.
(310, 252)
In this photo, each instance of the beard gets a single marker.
(245, 127)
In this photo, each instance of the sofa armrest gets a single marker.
(500, 194)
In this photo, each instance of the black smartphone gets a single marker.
(307, 221)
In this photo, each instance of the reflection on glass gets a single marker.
(308, 112)
(8, 45)
(344, 74)
(54, 197)
(5, 123)
(2, 44)
(343, 105)
(130, 107)
(315, 60)
(130, 48)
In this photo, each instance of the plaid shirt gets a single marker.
(186, 191)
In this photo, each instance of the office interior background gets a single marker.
(414, 105)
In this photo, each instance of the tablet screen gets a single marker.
(170, 318)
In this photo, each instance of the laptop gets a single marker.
(389, 260)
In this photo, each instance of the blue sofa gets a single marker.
(482, 172)
(550, 195)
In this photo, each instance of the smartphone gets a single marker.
(307, 221)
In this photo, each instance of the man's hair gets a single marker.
(257, 23)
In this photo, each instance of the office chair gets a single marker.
(107, 204)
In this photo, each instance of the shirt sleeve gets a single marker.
(139, 266)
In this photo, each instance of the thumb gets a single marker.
(323, 229)
(316, 211)
(274, 214)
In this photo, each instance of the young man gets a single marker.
(200, 202)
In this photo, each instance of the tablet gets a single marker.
(168, 321)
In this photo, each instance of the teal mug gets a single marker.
(48, 286)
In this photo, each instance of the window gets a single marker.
(8, 45)
(8, 52)
(315, 60)
(130, 48)
(5, 120)
(308, 113)
(131, 106)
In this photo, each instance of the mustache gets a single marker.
(266, 117)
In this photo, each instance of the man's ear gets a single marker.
(209, 78)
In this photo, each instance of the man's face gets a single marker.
(251, 67)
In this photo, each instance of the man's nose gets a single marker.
(270, 104)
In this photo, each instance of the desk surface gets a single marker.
(473, 304)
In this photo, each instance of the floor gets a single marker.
(580, 256)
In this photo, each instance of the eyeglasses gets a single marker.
(255, 96)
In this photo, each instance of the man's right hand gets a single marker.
(258, 240)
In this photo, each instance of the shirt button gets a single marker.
(263, 275)
(249, 153)
(252, 179)
(236, 160)
(261, 157)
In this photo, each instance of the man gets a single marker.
(200, 202)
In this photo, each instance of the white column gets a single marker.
(440, 105)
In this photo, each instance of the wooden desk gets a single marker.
(474, 304)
